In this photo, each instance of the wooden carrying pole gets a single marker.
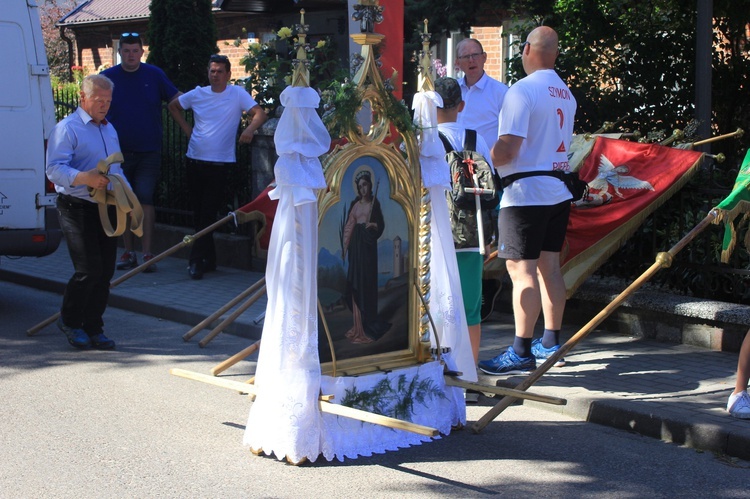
(241, 217)
(221, 311)
(223, 366)
(325, 406)
(232, 317)
(663, 260)
(737, 133)
(501, 390)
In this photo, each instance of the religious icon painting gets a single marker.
(366, 257)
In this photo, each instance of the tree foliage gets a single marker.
(182, 36)
(731, 73)
(443, 17)
(630, 62)
(50, 12)
(636, 60)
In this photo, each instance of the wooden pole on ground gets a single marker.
(663, 260)
(223, 366)
(501, 390)
(221, 311)
(324, 405)
(232, 317)
(239, 217)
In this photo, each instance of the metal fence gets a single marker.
(172, 198)
(695, 271)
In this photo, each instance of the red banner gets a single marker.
(627, 182)
(392, 46)
(267, 208)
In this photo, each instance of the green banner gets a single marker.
(738, 202)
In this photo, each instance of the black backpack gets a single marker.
(462, 166)
(461, 204)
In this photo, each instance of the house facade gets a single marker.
(94, 28)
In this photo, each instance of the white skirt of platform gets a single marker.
(418, 392)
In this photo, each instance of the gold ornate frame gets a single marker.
(401, 164)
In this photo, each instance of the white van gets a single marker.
(28, 218)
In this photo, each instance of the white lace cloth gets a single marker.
(300, 139)
(435, 171)
(285, 418)
(350, 438)
(446, 301)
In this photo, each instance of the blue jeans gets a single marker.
(143, 170)
(93, 255)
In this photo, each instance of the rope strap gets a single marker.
(121, 196)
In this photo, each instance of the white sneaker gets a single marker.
(738, 405)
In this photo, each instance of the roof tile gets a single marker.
(99, 11)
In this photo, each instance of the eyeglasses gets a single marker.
(522, 47)
(470, 56)
(129, 35)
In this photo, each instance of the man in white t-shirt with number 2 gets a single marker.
(536, 127)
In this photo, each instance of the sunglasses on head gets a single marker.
(130, 35)
(217, 57)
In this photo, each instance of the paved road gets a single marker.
(669, 391)
(116, 424)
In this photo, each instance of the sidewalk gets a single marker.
(673, 392)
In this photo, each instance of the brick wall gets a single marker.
(232, 27)
(95, 46)
(492, 41)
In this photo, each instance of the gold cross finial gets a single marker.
(301, 74)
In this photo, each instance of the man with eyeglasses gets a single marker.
(483, 95)
(136, 115)
(536, 128)
(217, 109)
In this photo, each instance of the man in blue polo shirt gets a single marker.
(136, 115)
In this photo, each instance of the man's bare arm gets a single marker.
(257, 117)
(176, 110)
(505, 149)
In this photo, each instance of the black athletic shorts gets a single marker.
(526, 231)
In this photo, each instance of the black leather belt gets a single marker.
(208, 163)
(74, 200)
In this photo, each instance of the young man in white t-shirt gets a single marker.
(217, 109)
(536, 127)
(470, 261)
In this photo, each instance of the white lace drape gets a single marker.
(285, 419)
(446, 301)
(350, 438)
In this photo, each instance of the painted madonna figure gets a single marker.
(364, 225)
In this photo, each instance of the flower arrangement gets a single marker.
(394, 401)
(79, 73)
(269, 66)
(439, 67)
